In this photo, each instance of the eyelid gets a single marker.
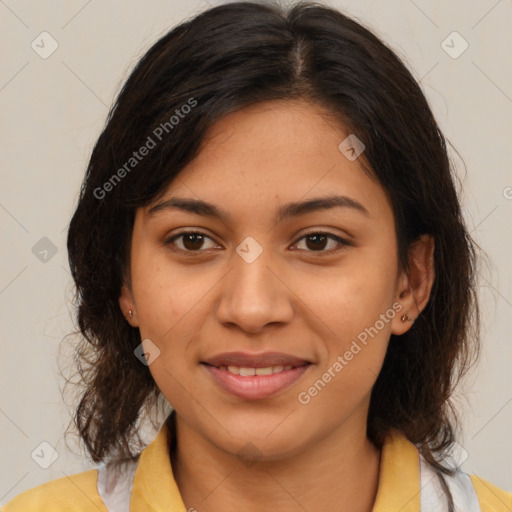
(343, 242)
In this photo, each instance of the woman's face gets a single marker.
(256, 282)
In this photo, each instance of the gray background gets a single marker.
(53, 110)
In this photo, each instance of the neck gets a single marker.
(340, 472)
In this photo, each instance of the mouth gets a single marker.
(255, 376)
(247, 360)
(248, 371)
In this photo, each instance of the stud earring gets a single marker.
(404, 318)
(130, 313)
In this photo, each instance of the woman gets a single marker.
(268, 236)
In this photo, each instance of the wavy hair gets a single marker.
(220, 61)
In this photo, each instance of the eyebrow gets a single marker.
(286, 211)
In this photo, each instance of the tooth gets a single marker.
(264, 371)
(247, 372)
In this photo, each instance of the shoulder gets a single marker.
(491, 498)
(73, 493)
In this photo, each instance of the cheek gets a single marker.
(158, 306)
(172, 304)
(351, 299)
(169, 306)
(355, 307)
(354, 354)
(162, 292)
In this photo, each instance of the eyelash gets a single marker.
(341, 241)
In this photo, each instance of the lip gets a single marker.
(248, 360)
(255, 387)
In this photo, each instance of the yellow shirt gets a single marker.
(405, 484)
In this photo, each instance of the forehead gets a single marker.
(273, 153)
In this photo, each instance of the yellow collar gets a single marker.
(155, 489)
(399, 478)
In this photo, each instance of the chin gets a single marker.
(259, 442)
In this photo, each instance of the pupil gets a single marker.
(197, 241)
(316, 237)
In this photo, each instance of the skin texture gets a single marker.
(296, 297)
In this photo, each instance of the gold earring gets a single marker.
(404, 318)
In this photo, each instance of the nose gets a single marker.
(253, 295)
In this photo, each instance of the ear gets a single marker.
(127, 303)
(414, 287)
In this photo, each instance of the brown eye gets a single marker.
(192, 241)
(318, 241)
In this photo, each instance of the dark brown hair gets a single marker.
(225, 59)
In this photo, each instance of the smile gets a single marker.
(247, 372)
(255, 383)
